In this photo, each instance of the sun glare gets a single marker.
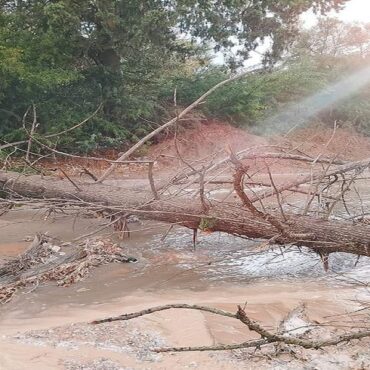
(353, 11)
(356, 11)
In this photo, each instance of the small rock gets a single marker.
(55, 248)
(82, 290)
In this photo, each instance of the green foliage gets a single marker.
(249, 100)
(206, 224)
(313, 64)
(355, 112)
(67, 57)
(335, 50)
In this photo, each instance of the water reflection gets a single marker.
(220, 256)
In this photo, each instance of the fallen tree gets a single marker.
(171, 203)
(325, 236)
(249, 216)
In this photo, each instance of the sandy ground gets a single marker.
(56, 338)
(49, 328)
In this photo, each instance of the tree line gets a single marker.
(132, 57)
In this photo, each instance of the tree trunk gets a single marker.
(322, 235)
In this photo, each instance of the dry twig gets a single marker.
(267, 337)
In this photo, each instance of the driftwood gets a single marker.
(46, 261)
(320, 234)
(267, 337)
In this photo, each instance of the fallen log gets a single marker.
(322, 235)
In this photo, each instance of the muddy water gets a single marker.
(223, 271)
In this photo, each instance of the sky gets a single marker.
(354, 11)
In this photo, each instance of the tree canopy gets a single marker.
(67, 57)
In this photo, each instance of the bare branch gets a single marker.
(352, 166)
(151, 181)
(31, 132)
(77, 125)
(266, 336)
(193, 105)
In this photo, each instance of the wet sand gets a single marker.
(47, 328)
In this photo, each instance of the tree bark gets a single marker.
(322, 235)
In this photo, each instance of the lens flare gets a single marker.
(297, 114)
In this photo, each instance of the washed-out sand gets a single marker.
(48, 328)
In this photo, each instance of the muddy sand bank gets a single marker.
(49, 328)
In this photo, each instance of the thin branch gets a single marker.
(358, 165)
(340, 195)
(311, 195)
(151, 181)
(151, 310)
(266, 336)
(167, 232)
(69, 179)
(205, 206)
(9, 145)
(31, 132)
(173, 121)
(277, 193)
(221, 347)
(77, 125)
(87, 158)
(89, 173)
(328, 142)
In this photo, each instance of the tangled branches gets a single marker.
(45, 261)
